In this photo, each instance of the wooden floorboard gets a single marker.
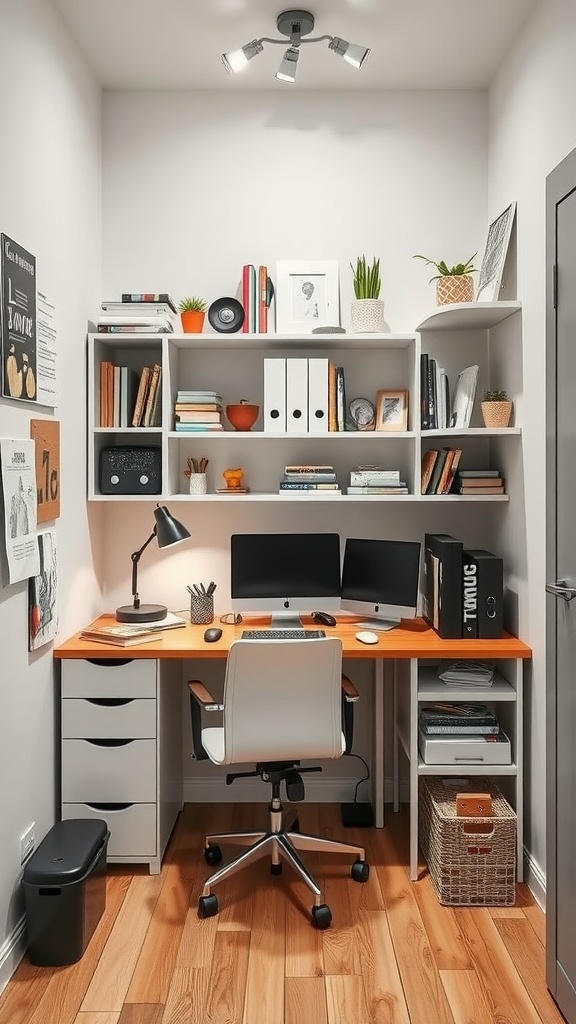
(392, 955)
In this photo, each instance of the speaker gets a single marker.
(126, 469)
(226, 315)
(482, 594)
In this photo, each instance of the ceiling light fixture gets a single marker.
(295, 25)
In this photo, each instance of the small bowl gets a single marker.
(242, 416)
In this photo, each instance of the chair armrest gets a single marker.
(201, 694)
(349, 690)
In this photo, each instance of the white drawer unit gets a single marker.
(122, 752)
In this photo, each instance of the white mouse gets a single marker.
(366, 637)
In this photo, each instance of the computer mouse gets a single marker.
(324, 618)
(212, 634)
(366, 637)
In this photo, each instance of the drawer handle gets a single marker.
(110, 702)
(109, 807)
(109, 662)
(108, 743)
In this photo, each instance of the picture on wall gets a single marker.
(17, 460)
(307, 296)
(42, 594)
(490, 280)
(18, 321)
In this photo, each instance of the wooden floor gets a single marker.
(393, 955)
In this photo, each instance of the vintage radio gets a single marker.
(129, 469)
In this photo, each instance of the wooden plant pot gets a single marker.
(454, 289)
(496, 414)
(192, 321)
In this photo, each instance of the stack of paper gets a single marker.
(466, 673)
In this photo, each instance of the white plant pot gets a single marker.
(367, 316)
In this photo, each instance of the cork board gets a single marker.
(46, 434)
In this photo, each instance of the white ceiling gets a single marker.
(176, 44)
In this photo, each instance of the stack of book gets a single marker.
(139, 313)
(128, 398)
(439, 469)
(466, 719)
(198, 411)
(479, 481)
(461, 733)
(302, 479)
(375, 480)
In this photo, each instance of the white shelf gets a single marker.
(356, 436)
(460, 316)
(430, 687)
(281, 341)
(466, 769)
(472, 432)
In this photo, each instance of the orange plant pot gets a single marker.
(192, 321)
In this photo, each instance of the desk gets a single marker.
(409, 643)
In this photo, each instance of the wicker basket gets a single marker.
(459, 288)
(472, 861)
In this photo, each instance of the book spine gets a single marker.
(262, 300)
(149, 297)
(461, 730)
(290, 485)
(365, 477)
(424, 406)
(340, 399)
(246, 297)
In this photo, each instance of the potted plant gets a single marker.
(454, 283)
(496, 409)
(367, 312)
(192, 313)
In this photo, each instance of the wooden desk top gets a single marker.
(412, 639)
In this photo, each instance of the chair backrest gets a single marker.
(282, 700)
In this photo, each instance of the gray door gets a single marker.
(561, 587)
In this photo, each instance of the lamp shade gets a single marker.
(168, 530)
(287, 70)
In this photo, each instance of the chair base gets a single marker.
(282, 843)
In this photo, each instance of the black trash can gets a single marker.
(65, 891)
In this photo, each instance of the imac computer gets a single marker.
(283, 574)
(380, 580)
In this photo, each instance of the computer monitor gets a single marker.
(285, 574)
(380, 579)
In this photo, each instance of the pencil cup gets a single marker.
(198, 486)
(202, 609)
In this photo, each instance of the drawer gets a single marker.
(132, 828)
(109, 718)
(109, 771)
(118, 678)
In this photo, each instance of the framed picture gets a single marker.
(392, 410)
(307, 296)
(494, 257)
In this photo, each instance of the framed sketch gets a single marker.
(494, 257)
(392, 410)
(307, 296)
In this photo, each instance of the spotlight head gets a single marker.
(236, 60)
(287, 70)
(352, 52)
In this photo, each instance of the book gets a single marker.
(437, 471)
(197, 407)
(142, 393)
(134, 320)
(479, 481)
(447, 473)
(132, 329)
(424, 406)
(124, 309)
(232, 490)
(152, 396)
(473, 473)
(460, 729)
(340, 399)
(120, 636)
(452, 471)
(292, 485)
(202, 416)
(308, 469)
(199, 396)
(332, 398)
(374, 476)
(428, 463)
(471, 491)
(189, 428)
(149, 297)
(375, 489)
(262, 300)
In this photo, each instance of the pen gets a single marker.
(211, 588)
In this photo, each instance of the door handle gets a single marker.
(561, 589)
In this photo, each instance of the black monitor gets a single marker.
(284, 574)
(380, 579)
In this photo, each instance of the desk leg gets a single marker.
(519, 748)
(379, 742)
(395, 777)
(413, 769)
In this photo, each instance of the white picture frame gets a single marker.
(494, 257)
(307, 295)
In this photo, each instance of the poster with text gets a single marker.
(17, 463)
(46, 366)
(42, 594)
(18, 321)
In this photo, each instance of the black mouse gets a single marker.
(212, 634)
(324, 618)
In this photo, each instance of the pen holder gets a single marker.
(198, 485)
(202, 609)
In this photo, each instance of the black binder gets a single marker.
(443, 584)
(482, 594)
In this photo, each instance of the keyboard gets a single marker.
(282, 634)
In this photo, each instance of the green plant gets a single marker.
(458, 270)
(495, 396)
(367, 282)
(192, 304)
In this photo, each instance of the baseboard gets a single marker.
(12, 952)
(535, 879)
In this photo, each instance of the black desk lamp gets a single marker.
(167, 531)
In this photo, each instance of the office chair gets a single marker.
(283, 700)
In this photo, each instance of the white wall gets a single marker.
(532, 128)
(50, 203)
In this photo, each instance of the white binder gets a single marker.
(296, 396)
(317, 396)
(274, 396)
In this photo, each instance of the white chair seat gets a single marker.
(213, 743)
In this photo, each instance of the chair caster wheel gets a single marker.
(208, 906)
(213, 855)
(321, 916)
(275, 869)
(360, 871)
